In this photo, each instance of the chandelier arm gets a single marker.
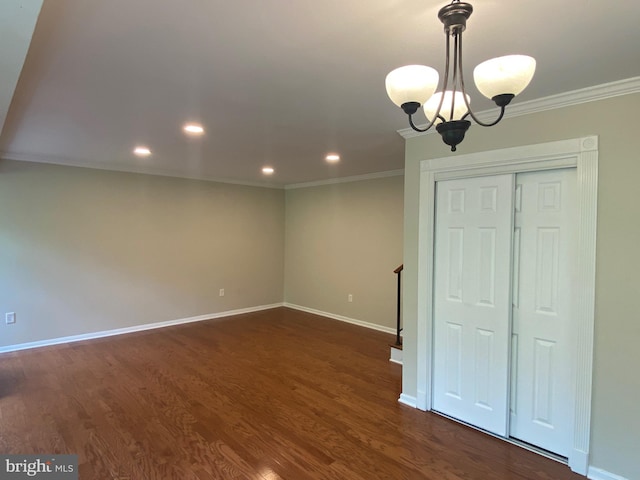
(502, 110)
(480, 122)
(444, 87)
(466, 101)
(421, 130)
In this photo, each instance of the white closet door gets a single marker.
(543, 246)
(472, 300)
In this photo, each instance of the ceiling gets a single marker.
(273, 82)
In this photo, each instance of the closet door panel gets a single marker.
(542, 308)
(472, 300)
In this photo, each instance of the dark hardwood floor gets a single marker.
(268, 395)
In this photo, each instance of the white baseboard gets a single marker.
(599, 474)
(333, 316)
(135, 328)
(408, 400)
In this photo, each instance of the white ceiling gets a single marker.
(17, 21)
(274, 82)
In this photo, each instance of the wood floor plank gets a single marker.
(278, 394)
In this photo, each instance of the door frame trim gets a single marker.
(581, 153)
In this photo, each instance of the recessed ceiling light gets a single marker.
(142, 151)
(268, 170)
(332, 157)
(194, 129)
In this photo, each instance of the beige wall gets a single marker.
(85, 250)
(345, 239)
(616, 388)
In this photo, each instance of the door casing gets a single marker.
(581, 153)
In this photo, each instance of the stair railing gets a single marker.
(398, 272)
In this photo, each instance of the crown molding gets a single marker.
(354, 178)
(575, 97)
(111, 167)
(67, 162)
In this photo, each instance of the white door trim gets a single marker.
(581, 153)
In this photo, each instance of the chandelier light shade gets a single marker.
(411, 82)
(499, 79)
(504, 74)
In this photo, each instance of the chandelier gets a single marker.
(499, 79)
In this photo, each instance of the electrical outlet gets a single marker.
(222, 292)
(350, 298)
(10, 318)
